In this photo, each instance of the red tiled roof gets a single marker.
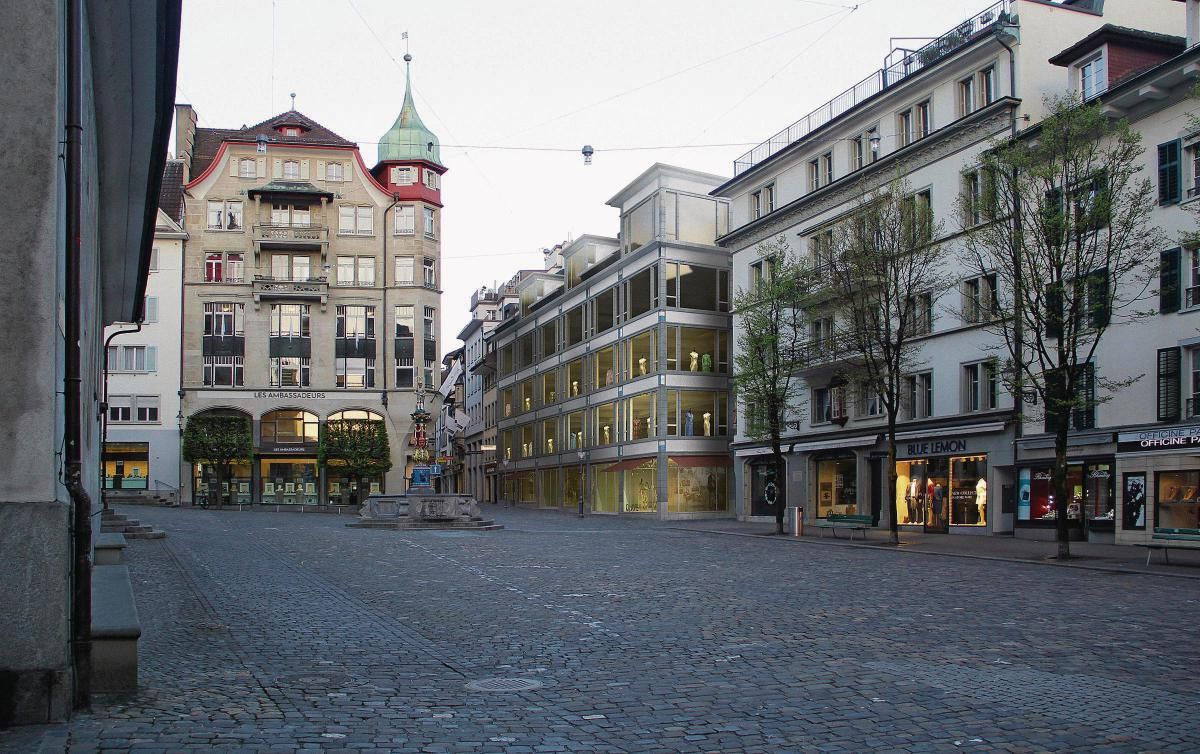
(208, 140)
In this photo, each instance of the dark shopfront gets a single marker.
(1091, 503)
(1159, 481)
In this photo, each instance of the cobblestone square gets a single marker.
(287, 633)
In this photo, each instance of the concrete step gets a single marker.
(152, 534)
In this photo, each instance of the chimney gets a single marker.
(185, 137)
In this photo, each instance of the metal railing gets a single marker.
(292, 233)
(910, 62)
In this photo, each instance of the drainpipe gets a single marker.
(104, 408)
(81, 503)
(390, 207)
(1018, 331)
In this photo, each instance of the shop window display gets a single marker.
(942, 492)
(1177, 502)
(639, 354)
(604, 365)
(641, 488)
(236, 490)
(699, 489)
(289, 481)
(639, 417)
(605, 488)
(575, 439)
(550, 492)
(1090, 487)
(837, 487)
(526, 487)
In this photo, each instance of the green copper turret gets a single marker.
(408, 138)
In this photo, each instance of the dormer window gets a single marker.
(1093, 76)
(291, 131)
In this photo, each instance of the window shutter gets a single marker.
(1084, 414)
(1168, 384)
(320, 170)
(348, 170)
(154, 259)
(277, 168)
(1168, 281)
(233, 166)
(1100, 313)
(1054, 310)
(1170, 178)
(304, 170)
(261, 167)
(151, 358)
(151, 309)
(1054, 387)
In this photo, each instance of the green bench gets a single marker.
(1166, 539)
(837, 521)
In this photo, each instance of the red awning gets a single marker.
(694, 462)
(625, 464)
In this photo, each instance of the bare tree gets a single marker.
(887, 272)
(770, 323)
(1062, 226)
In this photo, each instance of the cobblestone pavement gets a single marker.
(284, 633)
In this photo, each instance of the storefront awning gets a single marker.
(626, 464)
(695, 462)
(848, 442)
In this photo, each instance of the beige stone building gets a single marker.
(311, 293)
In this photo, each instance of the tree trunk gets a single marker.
(780, 498)
(1061, 499)
(892, 476)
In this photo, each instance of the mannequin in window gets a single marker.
(549, 445)
(706, 362)
(649, 428)
(644, 495)
(694, 364)
(606, 435)
(688, 424)
(579, 439)
(528, 403)
(570, 441)
(981, 499)
(608, 377)
(574, 388)
(642, 366)
(707, 424)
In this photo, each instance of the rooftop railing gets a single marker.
(900, 64)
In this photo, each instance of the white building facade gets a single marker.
(927, 115)
(142, 418)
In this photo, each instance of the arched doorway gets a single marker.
(341, 486)
(237, 488)
(287, 461)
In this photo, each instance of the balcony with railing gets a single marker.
(899, 65)
(276, 236)
(307, 289)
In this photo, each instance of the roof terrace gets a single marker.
(899, 64)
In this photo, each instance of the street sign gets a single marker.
(436, 469)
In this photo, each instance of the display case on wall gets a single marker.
(1177, 500)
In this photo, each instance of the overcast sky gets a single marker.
(699, 80)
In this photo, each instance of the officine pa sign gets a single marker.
(1182, 438)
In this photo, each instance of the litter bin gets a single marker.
(796, 520)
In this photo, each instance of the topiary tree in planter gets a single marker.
(357, 446)
(219, 441)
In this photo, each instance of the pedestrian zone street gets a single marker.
(269, 632)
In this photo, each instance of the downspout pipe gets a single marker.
(384, 318)
(104, 407)
(1019, 335)
(81, 503)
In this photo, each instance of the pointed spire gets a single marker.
(409, 138)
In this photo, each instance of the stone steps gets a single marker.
(112, 522)
(475, 525)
